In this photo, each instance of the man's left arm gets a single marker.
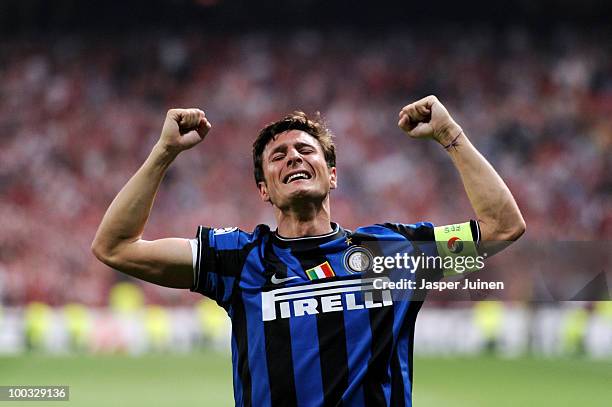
(496, 210)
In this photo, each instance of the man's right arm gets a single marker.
(118, 242)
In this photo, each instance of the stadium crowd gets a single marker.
(78, 115)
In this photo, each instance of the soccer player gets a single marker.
(308, 326)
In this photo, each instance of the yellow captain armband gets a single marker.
(457, 248)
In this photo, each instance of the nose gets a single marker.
(293, 157)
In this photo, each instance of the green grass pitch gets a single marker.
(204, 379)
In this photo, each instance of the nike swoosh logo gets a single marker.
(281, 280)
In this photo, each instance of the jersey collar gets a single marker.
(308, 242)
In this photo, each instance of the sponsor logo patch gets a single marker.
(223, 231)
(323, 297)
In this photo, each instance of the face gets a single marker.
(294, 168)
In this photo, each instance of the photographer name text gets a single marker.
(467, 284)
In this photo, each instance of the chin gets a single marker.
(303, 195)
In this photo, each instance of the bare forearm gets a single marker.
(127, 215)
(492, 201)
(118, 243)
(498, 214)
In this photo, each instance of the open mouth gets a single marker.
(296, 176)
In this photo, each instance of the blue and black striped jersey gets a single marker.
(309, 328)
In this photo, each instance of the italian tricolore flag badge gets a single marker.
(321, 271)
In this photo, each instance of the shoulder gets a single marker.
(231, 238)
(399, 231)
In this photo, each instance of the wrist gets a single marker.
(450, 135)
(163, 154)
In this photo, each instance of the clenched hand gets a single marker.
(183, 129)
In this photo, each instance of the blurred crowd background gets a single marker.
(81, 109)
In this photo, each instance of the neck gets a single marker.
(305, 219)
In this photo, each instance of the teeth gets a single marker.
(297, 175)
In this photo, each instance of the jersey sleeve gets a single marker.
(216, 263)
(456, 245)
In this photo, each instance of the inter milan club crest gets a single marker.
(358, 260)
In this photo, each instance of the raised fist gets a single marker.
(183, 129)
(428, 118)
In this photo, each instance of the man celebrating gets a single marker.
(308, 326)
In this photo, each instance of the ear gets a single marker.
(263, 191)
(333, 180)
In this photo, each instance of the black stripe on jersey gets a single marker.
(381, 325)
(426, 234)
(410, 321)
(196, 277)
(205, 253)
(418, 234)
(239, 331)
(236, 260)
(332, 340)
(397, 382)
(475, 228)
(278, 344)
(273, 265)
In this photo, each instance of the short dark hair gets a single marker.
(298, 120)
